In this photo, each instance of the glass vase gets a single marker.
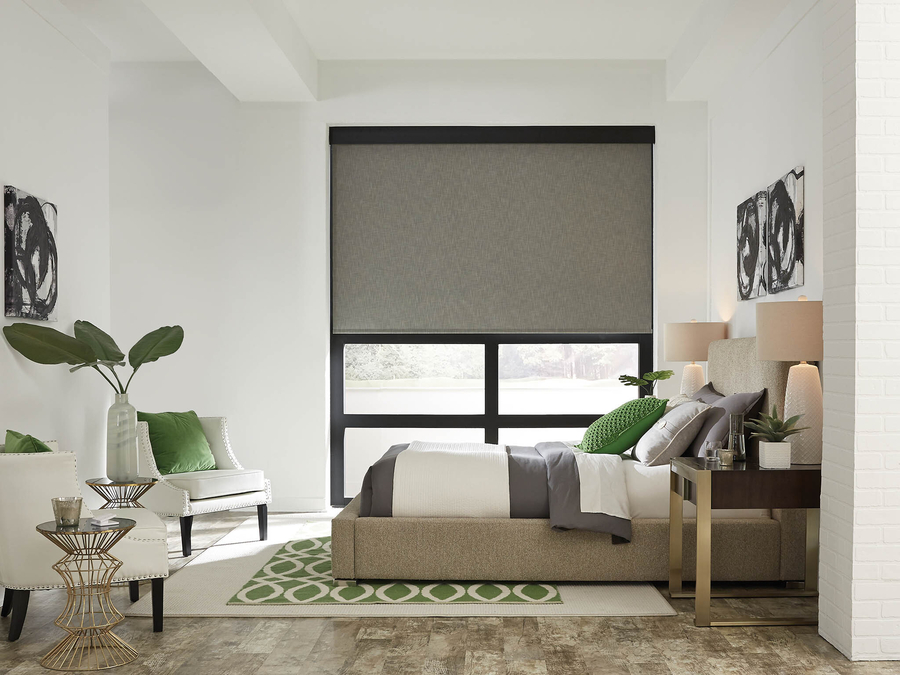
(121, 441)
(736, 437)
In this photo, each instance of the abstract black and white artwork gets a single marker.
(785, 233)
(751, 246)
(30, 257)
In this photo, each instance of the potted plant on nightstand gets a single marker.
(774, 451)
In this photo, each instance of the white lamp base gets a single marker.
(804, 396)
(692, 380)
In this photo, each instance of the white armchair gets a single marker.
(27, 483)
(228, 486)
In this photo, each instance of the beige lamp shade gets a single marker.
(690, 341)
(789, 331)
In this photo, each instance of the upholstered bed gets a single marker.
(766, 547)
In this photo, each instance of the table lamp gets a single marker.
(690, 342)
(792, 331)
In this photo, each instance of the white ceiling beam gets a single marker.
(715, 42)
(253, 47)
(70, 26)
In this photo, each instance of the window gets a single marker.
(487, 283)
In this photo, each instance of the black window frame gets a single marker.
(491, 420)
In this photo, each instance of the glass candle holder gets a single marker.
(66, 511)
(726, 457)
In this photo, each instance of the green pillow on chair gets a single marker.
(621, 429)
(19, 443)
(178, 442)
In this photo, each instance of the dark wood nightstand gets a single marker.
(741, 486)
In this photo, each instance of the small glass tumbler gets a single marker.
(727, 457)
(712, 450)
(66, 511)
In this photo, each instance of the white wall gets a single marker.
(861, 541)
(209, 234)
(220, 214)
(763, 123)
(54, 144)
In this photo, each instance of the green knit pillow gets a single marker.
(621, 429)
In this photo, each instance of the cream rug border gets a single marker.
(204, 586)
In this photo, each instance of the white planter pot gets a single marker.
(775, 455)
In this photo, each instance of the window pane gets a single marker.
(535, 436)
(413, 379)
(547, 379)
(362, 447)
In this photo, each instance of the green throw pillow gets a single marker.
(621, 429)
(16, 443)
(178, 442)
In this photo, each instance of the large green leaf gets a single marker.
(658, 375)
(161, 342)
(103, 346)
(631, 381)
(47, 345)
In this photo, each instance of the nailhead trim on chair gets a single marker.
(50, 588)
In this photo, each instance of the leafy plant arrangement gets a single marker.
(772, 429)
(648, 381)
(91, 348)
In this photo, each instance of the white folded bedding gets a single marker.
(648, 495)
(451, 480)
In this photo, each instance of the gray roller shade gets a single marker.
(492, 238)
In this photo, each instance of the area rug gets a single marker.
(205, 587)
(300, 573)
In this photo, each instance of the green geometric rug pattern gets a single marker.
(300, 573)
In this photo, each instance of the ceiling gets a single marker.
(492, 29)
(428, 29)
(269, 50)
(130, 30)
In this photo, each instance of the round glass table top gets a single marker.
(84, 526)
(140, 480)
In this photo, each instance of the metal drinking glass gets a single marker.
(66, 511)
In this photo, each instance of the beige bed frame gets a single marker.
(757, 549)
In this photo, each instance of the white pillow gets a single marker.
(676, 401)
(672, 434)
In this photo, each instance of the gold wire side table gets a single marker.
(89, 616)
(123, 495)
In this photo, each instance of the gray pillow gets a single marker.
(707, 394)
(715, 426)
(672, 434)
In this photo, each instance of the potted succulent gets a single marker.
(771, 430)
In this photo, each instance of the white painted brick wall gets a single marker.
(859, 608)
(836, 568)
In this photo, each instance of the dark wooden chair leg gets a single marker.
(262, 514)
(156, 591)
(134, 591)
(186, 523)
(19, 610)
(7, 602)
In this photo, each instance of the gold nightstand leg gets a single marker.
(812, 550)
(676, 506)
(704, 541)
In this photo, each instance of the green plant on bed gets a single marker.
(648, 381)
(772, 429)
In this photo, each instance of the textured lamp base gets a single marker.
(804, 396)
(692, 380)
